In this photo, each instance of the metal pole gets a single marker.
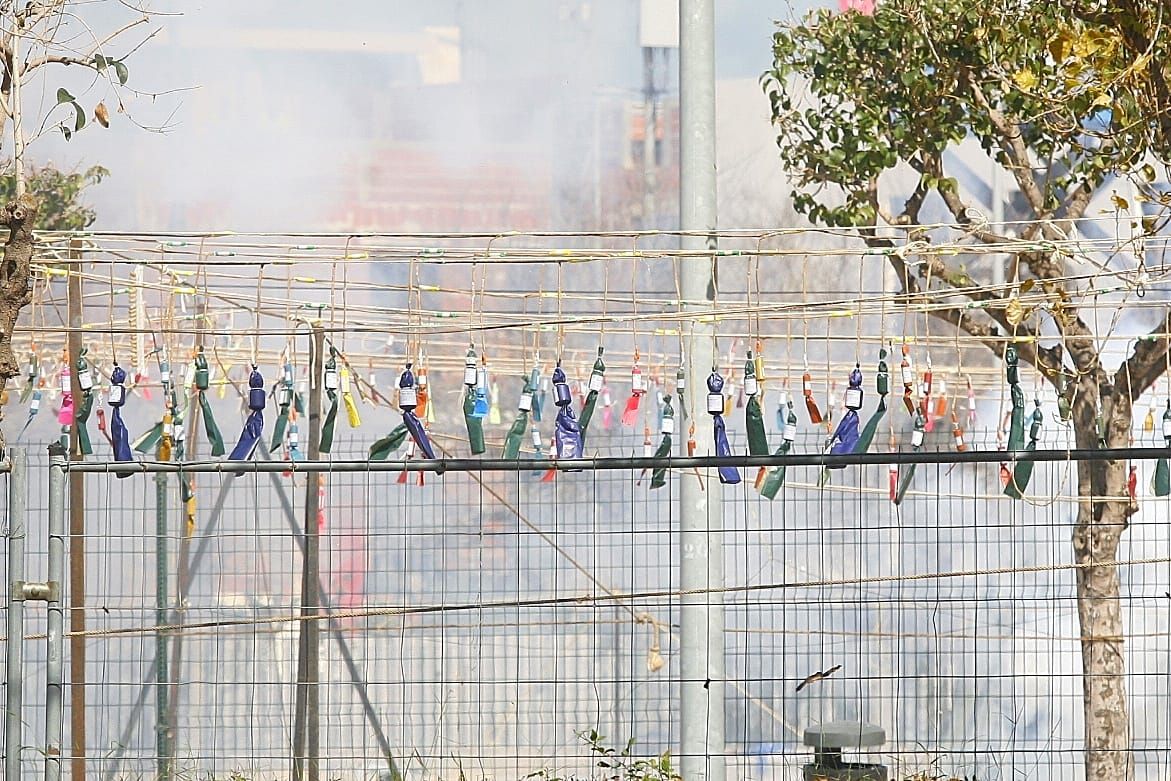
(306, 720)
(77, 711)
(162, 727)
(184, 575)
(441, 465)
(54, 706)
(702, 556)
(648, 139)
(14, 677)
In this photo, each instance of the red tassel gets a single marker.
(321, 509)
(1005, 475)
(630, 414)
(814, 412)
(761, 474)
(421, 480)
(941, 400)
(548, 476)
(894, 481)
(1132, 484)
(139, 379)
(810, 403)
(925, 404)
(402, 478)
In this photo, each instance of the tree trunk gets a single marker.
(1100, 524)
(15, 277)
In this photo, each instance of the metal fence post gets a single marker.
(54, 706)
(14, 678)
(701, 525)
(162, 711)
(306, 716)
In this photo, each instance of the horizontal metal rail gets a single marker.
(441, 465)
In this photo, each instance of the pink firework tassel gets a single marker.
(637, 389)
(65, 414)
(630, 414)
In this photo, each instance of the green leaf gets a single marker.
(121, 71)
(100, 62)
(79, 122)
(63, 96)
(66, 132)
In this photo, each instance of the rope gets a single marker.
(586, 599)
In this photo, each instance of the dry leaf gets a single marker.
(1014, 312)
(101, 115)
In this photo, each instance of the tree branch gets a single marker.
(1147, 363)
(1014, 148)
(1048, 361)
(87, 60)
(960, 211)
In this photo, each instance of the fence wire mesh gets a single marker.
(488, 617)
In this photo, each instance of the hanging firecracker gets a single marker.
(597, 382)
(666, 431)
(729, 475)
(567, 437)
(776, 477)
(637, 389)
(810, 402)
(119, 436)
(254, 425)
(408, 400)
(520, 425)
(908, 377)
(882, 387)
(1162, 468)
(1024, 469)
(202, 383)
(472, 421)
(331, 383)
(753, 416)
(908, 471)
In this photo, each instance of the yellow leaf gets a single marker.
(101, 115)
(1025, 79)
(1087, 43)
(1103, 100)
(1119, 202)
(1060, 47)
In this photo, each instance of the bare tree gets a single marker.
(40, 42)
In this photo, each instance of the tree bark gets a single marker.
(18, 216)
(1104, 510)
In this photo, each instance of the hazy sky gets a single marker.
(287, 103)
